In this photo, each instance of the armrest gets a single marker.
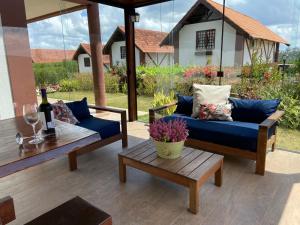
(163, 107)
(271, 120)
(108, 109)
(157, 109)
(7, 210)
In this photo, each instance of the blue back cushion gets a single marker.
(253, 111)
(79, 109)
(185, 105)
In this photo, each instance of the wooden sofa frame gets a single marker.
(122, 136)
(262, 145)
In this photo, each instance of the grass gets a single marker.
(287, 138)
(115, 100)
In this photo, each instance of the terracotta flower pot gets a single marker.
(169, 150)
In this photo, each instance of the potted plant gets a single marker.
(168, 137)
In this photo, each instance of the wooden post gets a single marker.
(18, 56)
(276, 56)
(96, 53)
(130, 62)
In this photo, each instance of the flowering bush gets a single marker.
(192, 72)
(172, 131)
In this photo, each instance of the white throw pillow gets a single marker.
(209, 94)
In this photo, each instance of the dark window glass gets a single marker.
(87, 62)
(205, 39)
(123, 52)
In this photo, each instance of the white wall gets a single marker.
(161, 59)
(187, 44)
(116, 54)
(6, 101)
(82, 68)
(261, 49)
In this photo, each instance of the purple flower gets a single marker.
(172, 131)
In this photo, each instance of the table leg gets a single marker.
(122, 170)
(72, 161)
(194, 197)
(219, 175)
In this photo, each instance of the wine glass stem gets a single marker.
(34, 133)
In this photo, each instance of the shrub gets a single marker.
(85, 81)
(147, 85)
(53, 73)
(69, 85)
(160, 99)
(112, 83)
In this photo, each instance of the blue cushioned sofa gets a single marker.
(109, 130)
(248, 136)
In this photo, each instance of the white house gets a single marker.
(147, 48)
(83, 58)
(197, 37)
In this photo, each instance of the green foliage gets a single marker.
(85, 81)
(69, 85)
(161, 99)
(112, 83)
(160, 70)
(147, 85)
(53, 73)
(184, 86)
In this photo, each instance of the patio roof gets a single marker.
(129, 3)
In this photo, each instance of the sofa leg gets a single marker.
(260, 168)
(124, 141)
(261, 153)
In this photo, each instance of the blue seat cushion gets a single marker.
(253, 111)
(79, 109)
(185, 105)
(236, 134)
(106, 128)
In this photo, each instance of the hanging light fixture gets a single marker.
(135, 18)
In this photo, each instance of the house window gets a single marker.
(123, 52)
(87, 62)
(205, 39)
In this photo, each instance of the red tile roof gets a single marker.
(251, 26)
(51, 55)
(148, 41)
(85, 47)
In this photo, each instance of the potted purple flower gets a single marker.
(169, 137)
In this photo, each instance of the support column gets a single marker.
(130, 62)
(276, 56)
(96, 53)
(18, 55)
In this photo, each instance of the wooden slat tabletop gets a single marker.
(192, 164)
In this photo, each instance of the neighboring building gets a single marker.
(51, 55)
(197, 37)
(83, 57)
(147, 48)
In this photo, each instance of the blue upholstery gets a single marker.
(185, 105)
(79, 109)
(235, 134)
(106, 128)
(253, 111)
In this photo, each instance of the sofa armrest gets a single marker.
(123, 120)
(158, 109)
(271, 120)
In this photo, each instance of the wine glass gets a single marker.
(31, 117)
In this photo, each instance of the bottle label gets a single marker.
(51, 124)
(43, 120)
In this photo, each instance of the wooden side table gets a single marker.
(191, 170)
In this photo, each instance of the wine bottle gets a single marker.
(46, 114)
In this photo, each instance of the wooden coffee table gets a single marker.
(191, 170)
(68, 139)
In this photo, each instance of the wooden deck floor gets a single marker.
(244, 198)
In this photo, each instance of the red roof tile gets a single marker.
(87, 49)
(51, 55)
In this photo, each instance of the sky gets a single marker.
(67, 31)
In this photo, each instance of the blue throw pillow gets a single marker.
(79, 109)
(185, 105)
(253, 111)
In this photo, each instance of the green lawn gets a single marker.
(287, 138)
(114, 100)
